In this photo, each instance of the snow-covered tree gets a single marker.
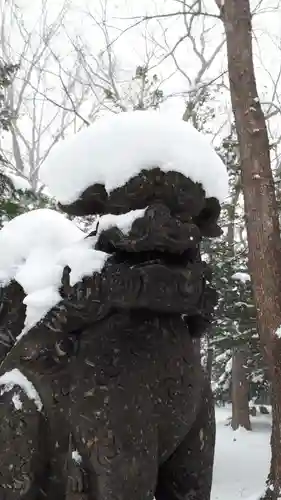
(236, 325)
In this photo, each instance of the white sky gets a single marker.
(153, 40)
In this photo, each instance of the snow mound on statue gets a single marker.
(35, 248)
(123, 222)
(15, 378)
(117, 147)
(39, 231)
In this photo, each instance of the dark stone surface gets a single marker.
(12, 316)
(156, 231)
(116, 366)
(131, 398)
(178, 193)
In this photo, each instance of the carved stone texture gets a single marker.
(157, 230)
(183, 197)
(179, 193)
(115, 363)
(148, 286)
(12, 316)
(131, 400)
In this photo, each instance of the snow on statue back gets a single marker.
(35, 248)
(39, 230)
(87, 171)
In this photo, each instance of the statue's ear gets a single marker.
(208, 218)
(92, 201)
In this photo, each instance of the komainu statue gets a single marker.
(105, 398)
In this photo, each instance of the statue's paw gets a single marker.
(77, 480)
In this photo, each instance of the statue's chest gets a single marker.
(143, 380)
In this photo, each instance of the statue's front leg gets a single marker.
(24, 453)
(187, 474)
(33, 440)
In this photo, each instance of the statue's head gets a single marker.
(133, 160)
(185, 199)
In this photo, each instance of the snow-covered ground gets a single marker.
(241, 460)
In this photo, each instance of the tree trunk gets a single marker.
(240, 392)
(209, 365)
(239, 384)
(260, 207)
